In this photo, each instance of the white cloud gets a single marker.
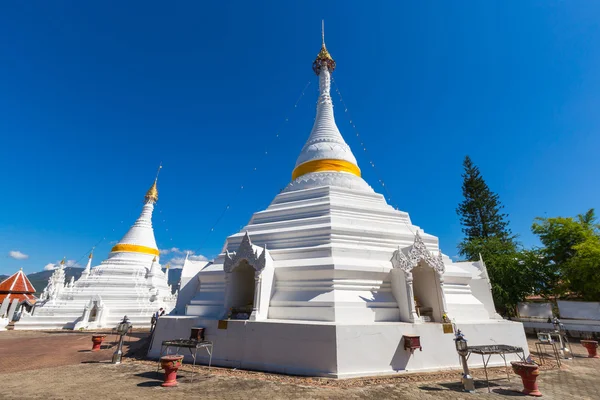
(73, 263)
(49, 267)
(68, 263)
(174, 250)
(177, 261)
(17, 255)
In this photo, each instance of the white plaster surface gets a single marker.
(334, 350)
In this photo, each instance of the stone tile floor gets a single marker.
(40, 365)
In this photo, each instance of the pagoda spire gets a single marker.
(325, 149)
(140, 237)
(88, 267)
(152, 193)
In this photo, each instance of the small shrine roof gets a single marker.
(17, 283)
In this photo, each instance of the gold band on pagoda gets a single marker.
(325, 165)
(134, 248)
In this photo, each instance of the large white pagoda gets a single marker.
(130, 282)
(329, 279)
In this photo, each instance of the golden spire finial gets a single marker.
(62, 262)
(152, 193)
(323, 58)
(168, 266)
(154, 259)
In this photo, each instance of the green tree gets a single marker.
(571, 246)
(480, 212)
(486, 232)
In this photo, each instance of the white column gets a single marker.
(5, 305)
(13, 309)
(257, 296)
(442, 295)
(408, 276)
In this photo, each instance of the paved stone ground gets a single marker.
(54, 348)
(58, 366)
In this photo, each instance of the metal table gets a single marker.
(489, 350)
(190, 344)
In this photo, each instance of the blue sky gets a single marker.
(94, 95)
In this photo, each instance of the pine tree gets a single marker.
(487, 234)
(480, 212)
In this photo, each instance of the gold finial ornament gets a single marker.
(323, 58)
(62, 262)
(152, 193)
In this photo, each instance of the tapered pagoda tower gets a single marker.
(129, 282)
(329, 278)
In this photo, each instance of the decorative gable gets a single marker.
(248, 252)
(409, 257)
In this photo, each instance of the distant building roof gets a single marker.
(17, 286)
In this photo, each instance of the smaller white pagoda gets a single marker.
(130, 282)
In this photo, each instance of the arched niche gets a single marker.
(93, 313)
(418, 283)
(249, 278)
(243, 290)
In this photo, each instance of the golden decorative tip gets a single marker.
(62, 262)
(168, 266)
(323, 59)
(152, 194)
(154, 259)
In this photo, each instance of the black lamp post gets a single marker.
(122, 329)
(462, 349)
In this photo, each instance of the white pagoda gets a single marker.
(330, 280)
(130, 282)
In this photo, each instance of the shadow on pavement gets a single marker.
(149, 384)
(458, 387)
(508, 392)
(431, 389)
(152, 374)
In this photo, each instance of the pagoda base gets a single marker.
(336, 350)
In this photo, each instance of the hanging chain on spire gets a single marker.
(254, 169)
(158, 171)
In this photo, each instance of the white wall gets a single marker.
(579, 310)
(535, 310)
